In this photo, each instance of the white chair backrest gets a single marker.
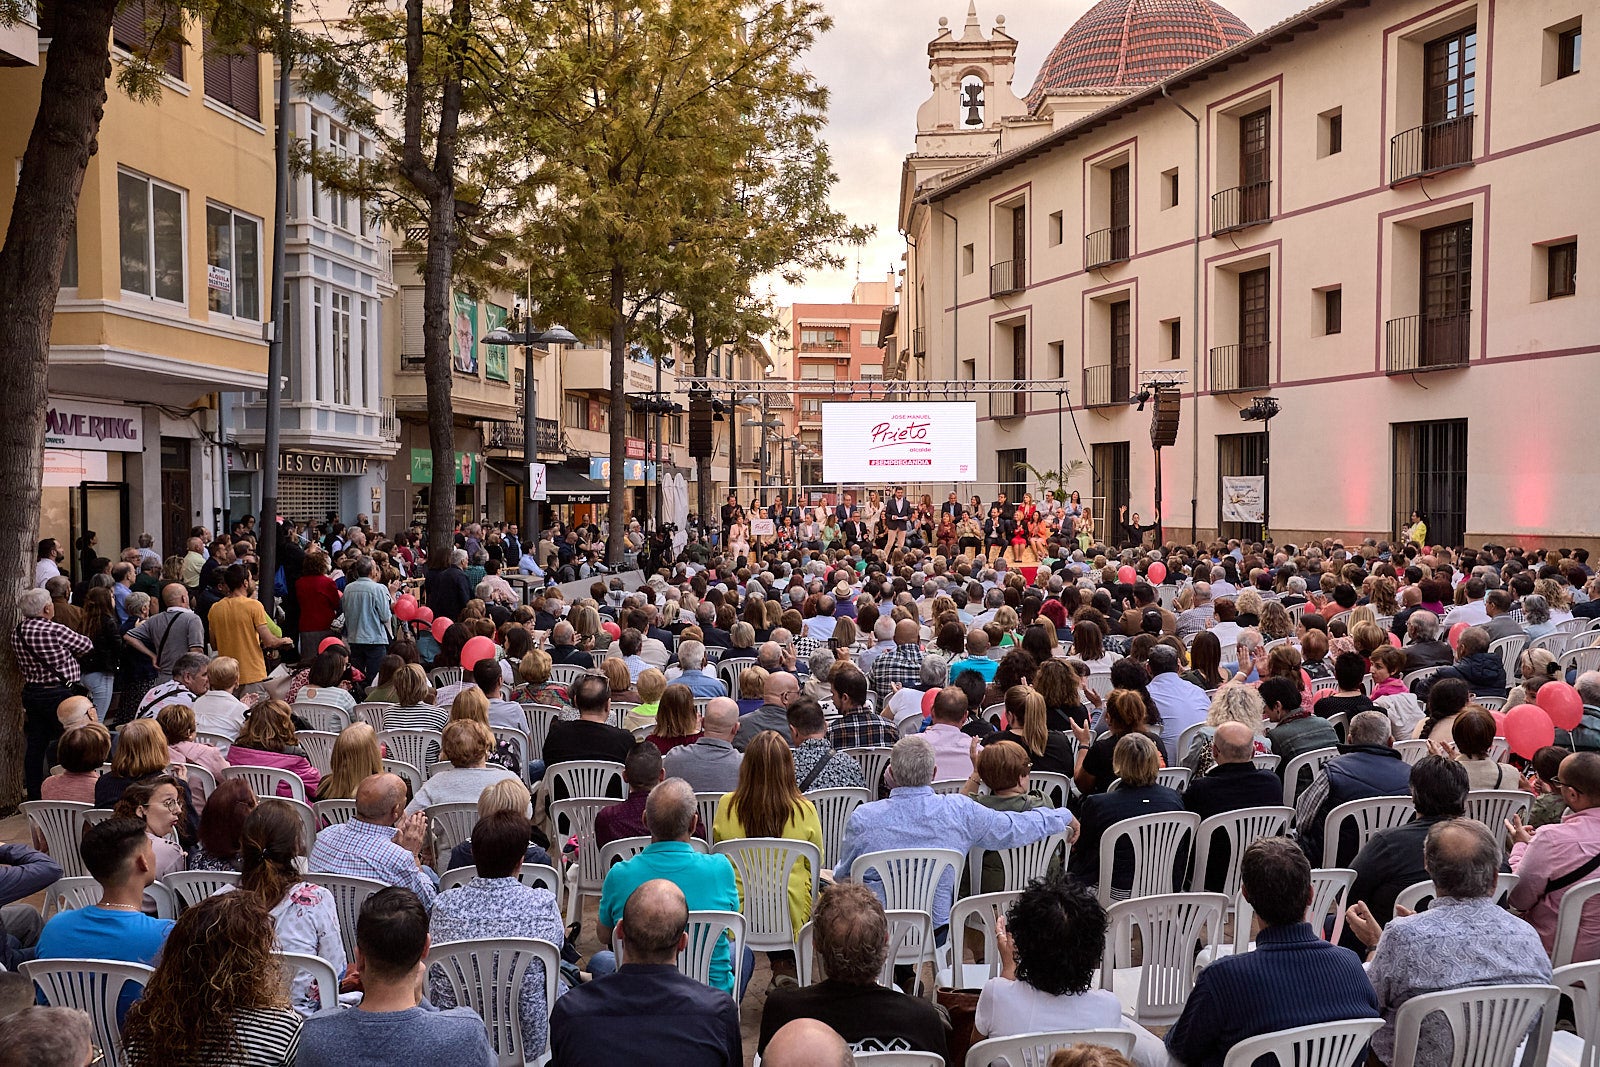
(1241, 828)
(1170, 927)
(1509, 649)
(1414, 894)
(1581, 982)
(1486, 1023)
(191, 887)
(219, 742)
(899, 1059)
(320, 971)
(730, 669)
(333, 812)
(60, 824)
(1580, 659)
(1035, 1049)
(325, 717)
(620, 710)
(1157, 842)
(69, 894)
(1314, 760)
(486, 976)
(706, 807)
(416, 747)
(1330, 892)
(520, 743)
(994, 715)
(1187, 739)
(981, 912)
(532, 875)
(833, 811)
(1324, 685)
(201, 781)
(371, 713)
(411, 773)
(539, 717)
(1335, 1044)
(1494, 807)
(306, 814)
(574, 817)
(1174, 778)
(1023, 863)
(910, 876)
(764, 865)
(1369, 816)
(265, 780)
(440, 677)
(949, 786)
(1412, 749)
(452, 823)
(1056, 787)
(706, 930)
(349, 893)
(318, 745)
(93, 987)
(566, 674)
(1570, 918)
(1266, 761)
(587, 778)
(874, 761)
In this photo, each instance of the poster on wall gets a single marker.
(464, 334)
(496, 361)
(878, 443)
(1241, 499)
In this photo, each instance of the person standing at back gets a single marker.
(240, 629)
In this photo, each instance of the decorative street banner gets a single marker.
(496, 363)
(1241, 499)
(464, 335)
(876, 442)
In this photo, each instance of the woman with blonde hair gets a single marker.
(1556, 595)
(1536, 665)
(504, 795)
(177, 724)
(677, 720)
(1028, 724)
(356, 757)
(414, 708)
(141, 751)
(585, 622)
(470, 703)
(268, 740)
(467, 744)
(752, 686)
(533, 681)
(1234, 702)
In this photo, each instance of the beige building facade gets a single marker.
(1372, 213)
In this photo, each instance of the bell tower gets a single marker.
(971, 74)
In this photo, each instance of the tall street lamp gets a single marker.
(767, 425)
(528, 337)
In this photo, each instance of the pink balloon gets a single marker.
(440, 625)
(425, 617)
(479, 648)
(1562, 703)
(611, 628)
(1455, 633)
(1499, 723)
(330, 642)
(405, 608)
(1528, 729)
(1126, 574)
(1157, 573)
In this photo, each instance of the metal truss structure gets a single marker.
(872, 388)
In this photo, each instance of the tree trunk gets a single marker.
(437, 371)
(703, 502)
(616, 487)
(71, 106)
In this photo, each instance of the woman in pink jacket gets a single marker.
(268, 740)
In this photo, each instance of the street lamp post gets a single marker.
(767, 425)
(528, 337)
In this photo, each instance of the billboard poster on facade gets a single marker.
(1241, 499)
(873, 442)
(496, 361)
(464, 334)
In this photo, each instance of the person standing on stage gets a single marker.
(897, 519)
(1133, 533)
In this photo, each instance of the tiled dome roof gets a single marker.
(1121, 45)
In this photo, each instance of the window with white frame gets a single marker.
(316, 341)
(365, 351)
(825, 372)
(339, 321)
(150, 223)
(871, 370)
(233, 256)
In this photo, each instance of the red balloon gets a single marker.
(1455, 633)
(424, 616)
(1126, 574)
(611, 628)
(1499, 723)
(405, 607)
(1157, 573)
(479, 648)
(1562, 703)
(440, 625)
(1528, 729)
(329, 642)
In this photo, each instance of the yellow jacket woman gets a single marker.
(768, 803)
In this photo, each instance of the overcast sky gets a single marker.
(875, 65)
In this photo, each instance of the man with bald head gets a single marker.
(777, 692)
(381, 842)
(1551, 859)
(902, 664)
(807, 1043)
(76, 711)
(711, 764)
(648, 1012)
(706, 881)
(1234, 783)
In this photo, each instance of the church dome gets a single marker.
(1122, 45)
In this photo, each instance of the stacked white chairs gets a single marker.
(486, 975)
(1170, 927)
(982, 912)
(93, 987)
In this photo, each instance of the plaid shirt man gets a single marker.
(47, 652)
(902, 664)
(861, 728)
(367, 850)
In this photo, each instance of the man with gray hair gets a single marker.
(1585, 737)
(564, 646)
(1463, 939)
(48, 1037)
(1367, 766)
(166, 637)
(883, 636)
(1198, 617)
(693, 673)
(1423, 647)
(47, 655)
(820, 626)
(1182, 704)
(821, 666)
(445, 587)
(778, 691)
(914, 816)
(367, 617)
(711, 764)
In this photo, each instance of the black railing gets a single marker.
(1428, 342)
(1427, 149)
(1235, 368)
(1105, 246)
(1106, 385)
(1008, 276)
(1009, 404)
(919, 341)
(1241, 206)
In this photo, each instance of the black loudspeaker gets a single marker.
(700, 435)
(1164, 419)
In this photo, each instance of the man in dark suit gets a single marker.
(1233, 784)
(853, 531)
(897, 519)
(846, 511)
(729, 510)
(952, 508)
(1008, 510)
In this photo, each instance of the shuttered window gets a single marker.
(411, 340)
(130, 31)
(232, 78)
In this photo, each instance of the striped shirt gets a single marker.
(266, 1037)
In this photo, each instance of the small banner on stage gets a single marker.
(1241, 499)
(763, 527)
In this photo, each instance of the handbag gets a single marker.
(961, 1011)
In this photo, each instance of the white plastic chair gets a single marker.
(1487, 1024)
(566, 674)
(1581, 982)
(1265, 761)
(295, 964)
(1157, 842)
(1570, 917)
(220, 742)
(706, 807)
(729, 670)
(264, 781)
(486, 976)
(539, 717)
(201, 781)
(899, 1059)
(370, 712)
(1415, 893)
(318, 745)
(93, 987)
(1494, 807)
(1412, 749)
(874, 761)
(983, 912)
(349, 893)
(532, 875)
(1335, 1044)
(1035, 1049)
(706, 929)
(191, 887)
(1369, 816)
(620, 710)
(306, 814)
(1176, 779)
(1055, 786)
(1021, 864)
(69, 894)
(833, 812)
(587, 778)
(60, 824)
(764, 865)
(949, 786)
(625, 848)
(1330, 893)
(1186, 739)
(1241, 827)
(1170, 926)
(911, 880)
(1314, 760)
(521, 745)
(574, 817)
(415, 747)
(333, 812)
(412, 774)
(452, 823)
(328, 718)
(1509, 649)
(440, 677)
